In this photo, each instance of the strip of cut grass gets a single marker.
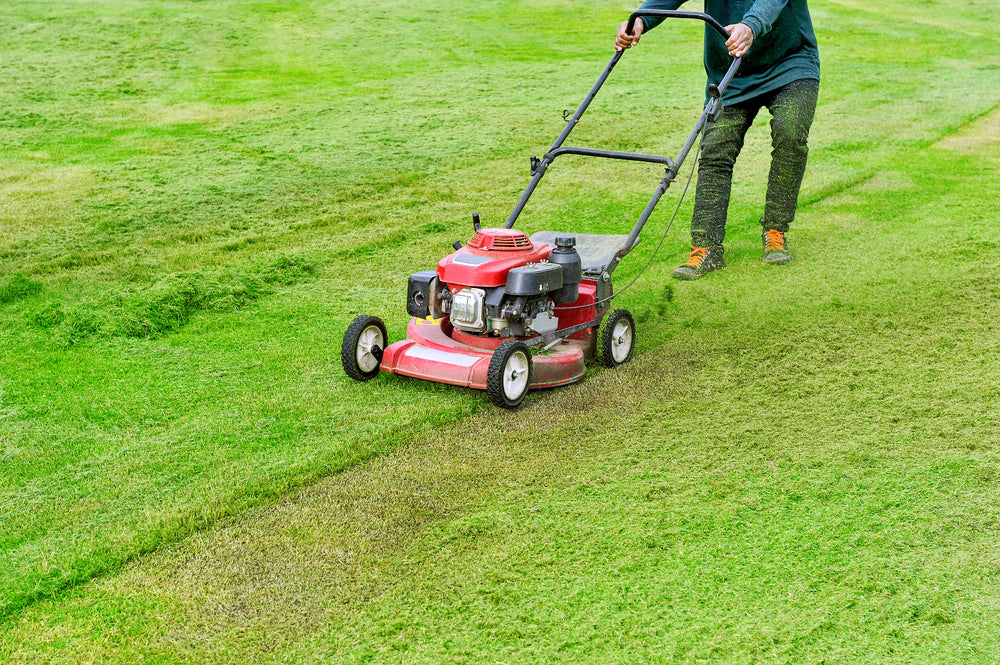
(185, 139)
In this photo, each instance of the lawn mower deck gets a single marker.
(435, 351)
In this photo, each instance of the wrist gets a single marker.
(755, 26)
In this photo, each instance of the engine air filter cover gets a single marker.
(534, 279)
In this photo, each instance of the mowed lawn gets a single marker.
(800, 465)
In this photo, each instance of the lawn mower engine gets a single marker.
(500, 285)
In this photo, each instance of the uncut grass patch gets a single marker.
(19, 287)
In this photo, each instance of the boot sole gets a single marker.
(688, 277)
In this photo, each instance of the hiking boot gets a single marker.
(775, 248)
(703, 261)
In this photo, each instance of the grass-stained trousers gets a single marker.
(780, 72)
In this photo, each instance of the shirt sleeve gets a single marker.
(762, 15)
(650, 22)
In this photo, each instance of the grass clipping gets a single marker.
(170, 302)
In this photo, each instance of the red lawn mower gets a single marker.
(506, 313)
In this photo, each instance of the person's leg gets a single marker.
(792, 108)
(720, 147)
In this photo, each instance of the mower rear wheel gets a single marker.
(618, 338)
(509, 376)
(361, 352)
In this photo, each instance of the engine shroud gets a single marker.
(487, 258)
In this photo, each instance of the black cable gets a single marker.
(662, 237)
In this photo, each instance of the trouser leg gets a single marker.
(720, 147)
(792, 108)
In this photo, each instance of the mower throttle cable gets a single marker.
(662, 237)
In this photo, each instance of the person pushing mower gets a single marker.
(780, 71)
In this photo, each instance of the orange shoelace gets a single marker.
(774, 241)
(697, 256)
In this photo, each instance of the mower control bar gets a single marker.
(611, 154)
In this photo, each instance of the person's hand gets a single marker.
(625, 40)
(740, 39)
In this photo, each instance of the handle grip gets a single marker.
(669, 13)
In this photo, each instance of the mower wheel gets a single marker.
(618, 338)
(509, 376)
(361, 352)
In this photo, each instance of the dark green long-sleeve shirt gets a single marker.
(784, 46)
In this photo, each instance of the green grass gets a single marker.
(800, 465)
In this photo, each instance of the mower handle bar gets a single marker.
(711, 111)
(670, 13)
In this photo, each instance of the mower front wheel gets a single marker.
(509, 376)
(361, 352)
(618, 338)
